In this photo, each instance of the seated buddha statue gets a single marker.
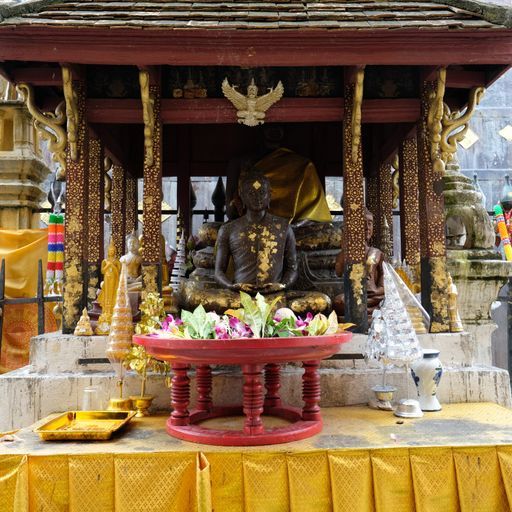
(133, 261)
(297, 193)
(374, 272)
(262, 249)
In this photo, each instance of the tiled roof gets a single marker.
(247, 14)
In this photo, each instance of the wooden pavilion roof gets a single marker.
(257, 14)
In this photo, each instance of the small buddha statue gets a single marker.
(374, 272)
(111, 270)
(133, 261)
(83, 327)
(453, 311)
(262, 248)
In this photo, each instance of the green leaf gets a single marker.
(333, 323)
(252, 314)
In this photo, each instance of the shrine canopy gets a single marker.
(256, 33)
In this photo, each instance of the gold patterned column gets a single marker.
(434, 277)
(131, 205)
(353, 203)
(152, 192)
(372, 201)
(385, 210)
(95, 218)
(117, 205)
(77, 161)
(409, 203)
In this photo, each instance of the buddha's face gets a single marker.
(111, 251)
(256, 195)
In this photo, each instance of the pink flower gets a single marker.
(169, 322)
(302, 324)
(221, 332)
(239, 329)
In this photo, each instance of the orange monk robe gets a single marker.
(297, 193)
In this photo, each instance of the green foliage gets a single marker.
(199, 324)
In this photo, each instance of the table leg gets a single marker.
(272, 384)
(180, 394)
(253, 398)
(311, 391)
(204, 387)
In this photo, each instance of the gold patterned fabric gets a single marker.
(468, 470)
(466, 479)
(297, 193)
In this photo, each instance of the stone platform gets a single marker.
(61, 366)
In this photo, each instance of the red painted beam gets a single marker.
(256, 47)
(220, 111)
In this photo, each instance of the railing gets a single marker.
(40, 299)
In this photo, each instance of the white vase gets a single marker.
(426, 374)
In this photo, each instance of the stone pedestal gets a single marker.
(61, 366)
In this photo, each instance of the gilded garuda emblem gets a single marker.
(252, 108)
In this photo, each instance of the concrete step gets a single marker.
(28, 395)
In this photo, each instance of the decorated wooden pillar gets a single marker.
(149, 79)
(118, 208)
(372, 203)
(434, 277)
(384, 218)
(353, 203)
(131, 205)
(409, 204)
(77, 162)
(95, 216)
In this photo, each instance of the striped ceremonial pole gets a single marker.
(55, 265)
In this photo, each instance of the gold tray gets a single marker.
(84, 425)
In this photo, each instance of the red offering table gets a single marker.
(254, 356)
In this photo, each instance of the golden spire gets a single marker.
(121, 327)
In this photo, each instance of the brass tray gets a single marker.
(84, 425)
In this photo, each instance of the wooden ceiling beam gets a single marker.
(219, 111)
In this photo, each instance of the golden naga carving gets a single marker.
(49, 126)
(435, 121)
(252, 108)
(356, 113)
(452, 121)
(71, 111)
(148, 114)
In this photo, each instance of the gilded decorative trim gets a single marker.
(148, 114)
(95, 203)
(385, 217)
(435, 120)
(131, 205)
(71, 111)
(49, 127)
(117, 208)
(356, 113)
(453, 121)
(409, 210)
(152, 196)
(74, 296)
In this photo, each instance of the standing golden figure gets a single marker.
(111, 270)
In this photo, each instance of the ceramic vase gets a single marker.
(426, 374)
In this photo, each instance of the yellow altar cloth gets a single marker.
(364, 460)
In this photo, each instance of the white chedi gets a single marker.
(392, 338)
